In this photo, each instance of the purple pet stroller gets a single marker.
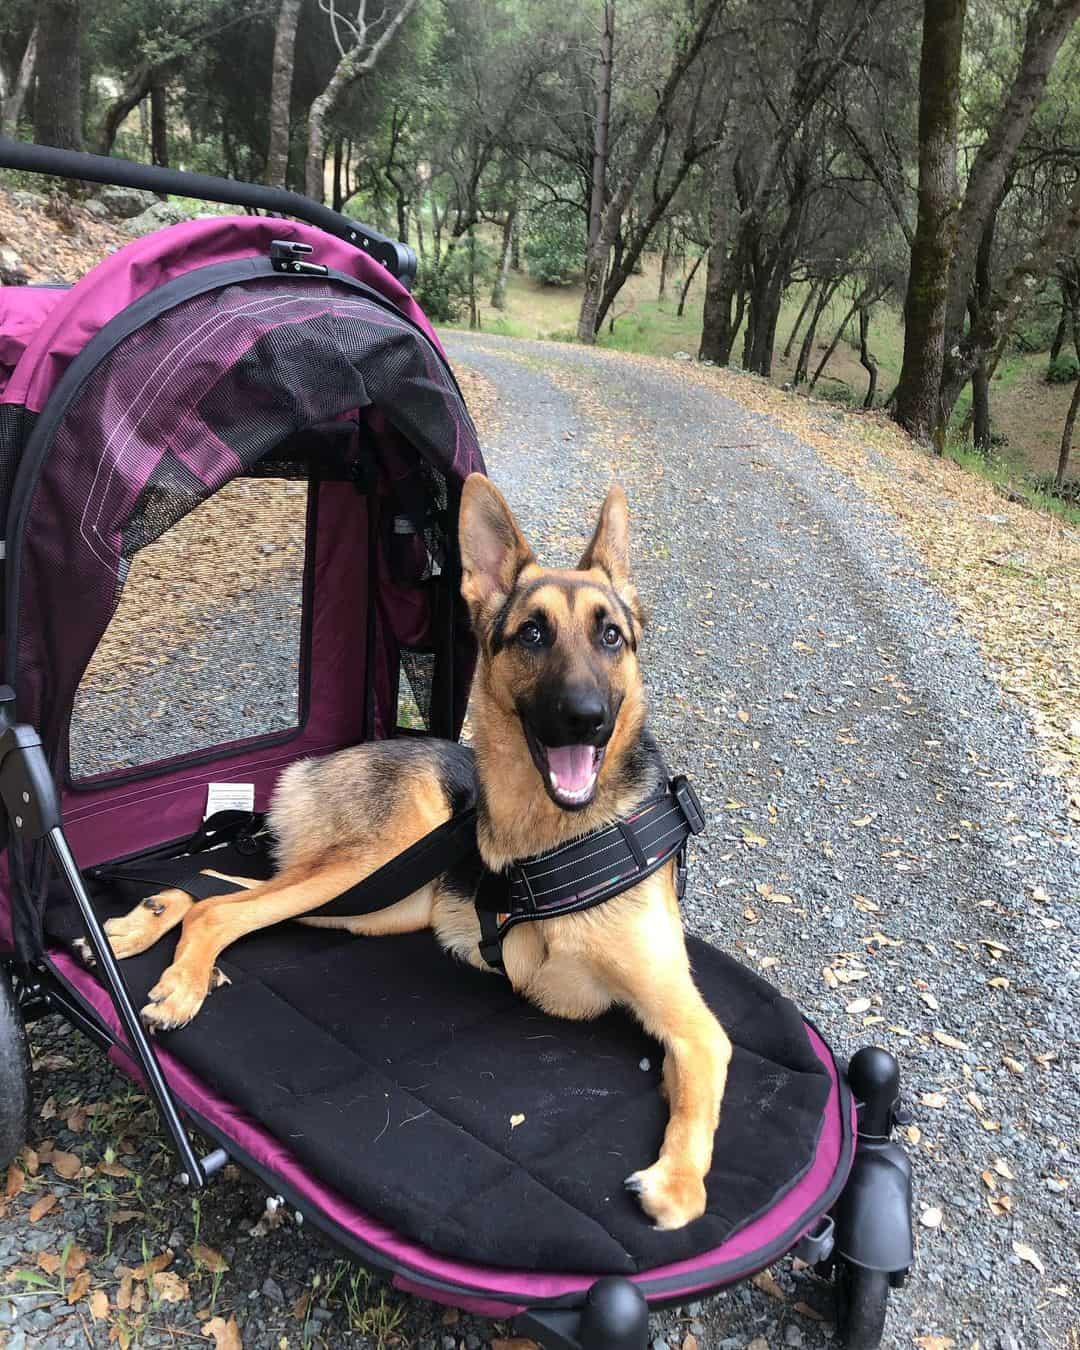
(437, 1128)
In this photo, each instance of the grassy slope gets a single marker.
(1027, 411)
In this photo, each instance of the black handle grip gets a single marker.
(398, 259)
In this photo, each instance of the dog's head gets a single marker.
(558, 649)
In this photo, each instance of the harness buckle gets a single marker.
(681, 871)
(689, 804)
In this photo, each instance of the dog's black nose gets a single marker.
(583, 714)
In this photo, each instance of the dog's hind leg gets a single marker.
(135, 932)
(210, 926)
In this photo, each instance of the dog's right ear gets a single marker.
(493, 549)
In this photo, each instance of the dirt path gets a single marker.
(882, 844)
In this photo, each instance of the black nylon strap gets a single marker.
(198, 886)
(445, 847)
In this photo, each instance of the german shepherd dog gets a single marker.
(561, 749)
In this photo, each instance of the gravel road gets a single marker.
(882, 843)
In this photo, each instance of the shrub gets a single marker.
(1063, 370)
(555, 246)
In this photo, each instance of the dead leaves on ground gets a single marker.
(225, 1335)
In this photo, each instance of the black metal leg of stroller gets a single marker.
(192, 1171)
(615, 1317)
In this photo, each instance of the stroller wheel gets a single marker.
(14, 1073)
(861, 1299)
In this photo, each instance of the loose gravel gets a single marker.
(883, 845)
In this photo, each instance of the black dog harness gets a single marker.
(587, 871)
(565, 880)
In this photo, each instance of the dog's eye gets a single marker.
(530, 634)
(611, 637)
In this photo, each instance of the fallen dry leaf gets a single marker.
(214, 1262)
(153, 1265)
(41, 1207)
(1013, 1065)
(1030, 1255)
(79, 1288)
(930, 1001)
(862, 822)
(515, 1343)
(858, 1005)
(1002, 1168)
(914, 1134)
(125, 1215)
(49, 1262)
(935, 1100)
(766, 1282)
(169, 1287)
(950, 1042)
(867, 905)
(806, 1311)
(1000, 1205)
(690, 1341)
(66, 1165)
(124, 1293)
(16, 1180)
(225, 1335)
(99, 1304)
(989, 1180)
(934, 1342)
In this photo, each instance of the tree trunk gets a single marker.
(688, 283)
(833, 344)
(665, 263)
(12, 107)
(498, 290)
(611, 218)
(358, 61)
(802, 366)
(159, 122)
(277, 156)
(134, 91)
(866, 357)
(339, 198)
(1070, 416)
(1060, 331)
(799, 320)
(58, 97)
(1049, 23)
(1067, 434)
(474, 312)
(980, 408)
(601, 129)
(917, 394)
(721, 281)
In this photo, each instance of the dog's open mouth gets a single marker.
(569, 772)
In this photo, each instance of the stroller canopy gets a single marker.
(185, 360)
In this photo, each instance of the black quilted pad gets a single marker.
(395, 1074)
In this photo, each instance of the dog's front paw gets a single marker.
(174, 1000)
(671, 1197)
(134, 933)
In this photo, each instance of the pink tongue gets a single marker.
(572, 766)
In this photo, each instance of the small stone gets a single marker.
(272, 1290)
(268, 548)
(792, 1335)
(449, 1343)
(322, 1314)
(176, 1239)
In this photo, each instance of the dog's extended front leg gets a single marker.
(696, 1057)
(210, 926)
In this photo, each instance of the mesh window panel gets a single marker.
(414, 690)
(179, 408)
(15, 424)
(205, 644)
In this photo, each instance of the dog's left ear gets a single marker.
(609, 549)
(493, 549)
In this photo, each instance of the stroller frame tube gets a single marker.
(33, 810)
(398, 259)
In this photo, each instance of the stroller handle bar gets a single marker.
(398, 259)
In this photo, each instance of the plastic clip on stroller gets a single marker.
(315, 365)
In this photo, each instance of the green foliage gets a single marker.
(443, 290)
(555, 246)
(436, 296)
(1064, 369)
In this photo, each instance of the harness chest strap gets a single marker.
(590, 870)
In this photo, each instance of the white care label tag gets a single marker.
(229, 797)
